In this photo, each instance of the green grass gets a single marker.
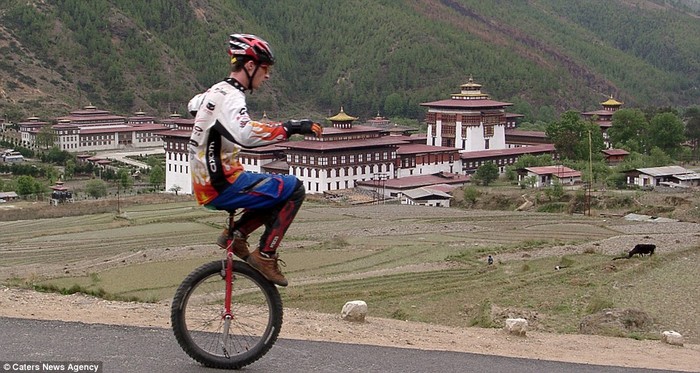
(144, 282)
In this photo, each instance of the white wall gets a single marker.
(177, 173)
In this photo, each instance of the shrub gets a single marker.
(553, 207)
(482, 318)
(597, 304)
(471, 194)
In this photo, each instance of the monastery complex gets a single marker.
(464, 131)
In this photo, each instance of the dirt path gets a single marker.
(375, 331)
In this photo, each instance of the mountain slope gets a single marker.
(545, 56)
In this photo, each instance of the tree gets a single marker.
(487, 173)
(565, 134)
(570, 136)
(394, 105)
(69, 169)
(124, 178)
(617, 180)
(96, 188)
(629, 130)
(27, 185)
(692, 126)
(45, 138)
(156, 176)
(471, 194)
(50, 173)
(658, 158)
(666, 133)
(175, 189)
(57, 156)
(530, 181)
(555, 192)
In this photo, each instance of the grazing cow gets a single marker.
(640, 249)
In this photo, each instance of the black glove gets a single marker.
(304, 127)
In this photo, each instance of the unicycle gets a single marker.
(225, 314)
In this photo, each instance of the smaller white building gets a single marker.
(396, 188)
(545, 175)
(11, 156)
(426, 196)
(668, 175)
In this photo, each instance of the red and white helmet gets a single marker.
(252, 47)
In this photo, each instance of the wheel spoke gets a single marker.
(226, 341)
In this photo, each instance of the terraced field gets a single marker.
(408, 262)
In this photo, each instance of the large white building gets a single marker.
(468, 121)
(91, 129)
(345, 155)
(177, 162)
(348, 155)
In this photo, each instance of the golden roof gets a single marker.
(611, 102)
(341, 117)
(470, 83)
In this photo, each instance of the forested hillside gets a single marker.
(387, 56)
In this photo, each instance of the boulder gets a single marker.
(672, 338)
(355, 310)
(516, 326)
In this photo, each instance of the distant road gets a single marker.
(147, 350)
(121, 155)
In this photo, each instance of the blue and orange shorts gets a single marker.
(255, 191)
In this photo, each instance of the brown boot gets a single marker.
(240, 243)
(267, 266)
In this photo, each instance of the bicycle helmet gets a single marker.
(252, 47)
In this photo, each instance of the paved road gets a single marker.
(136, 350)
(122, 155)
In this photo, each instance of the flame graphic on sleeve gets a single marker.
(268, 132)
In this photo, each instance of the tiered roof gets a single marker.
(470, 97)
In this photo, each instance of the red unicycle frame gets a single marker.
(225, 314)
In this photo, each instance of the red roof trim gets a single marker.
(465, 103)
(345, 144)
(544, 148)
(615, 152)
(410, 182)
